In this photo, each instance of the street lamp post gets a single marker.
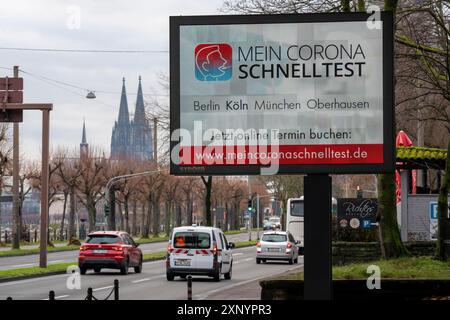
(258, 197)
(116, 179)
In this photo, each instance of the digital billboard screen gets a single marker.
(280, 94)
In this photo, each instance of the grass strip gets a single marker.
(400, 268)
(23, 252)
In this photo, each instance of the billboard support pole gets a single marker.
(318, 257)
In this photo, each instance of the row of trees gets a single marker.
(144, 203)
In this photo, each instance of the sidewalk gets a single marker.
(248, 291)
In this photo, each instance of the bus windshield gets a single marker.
(297, 208)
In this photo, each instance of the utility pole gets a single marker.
(44, 187)
(112, 209)
(15, 188)
(257, 216)
(250, 215)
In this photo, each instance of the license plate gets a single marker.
(183, 262)
(99, 251)
(273, 249)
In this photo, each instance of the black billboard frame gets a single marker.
(388, 166)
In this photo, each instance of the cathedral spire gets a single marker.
(83, 138)
(139, 114)
(124, 117)
(84, 147)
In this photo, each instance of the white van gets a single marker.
(199, 250)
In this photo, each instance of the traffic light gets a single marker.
(249, 206)
(106, 210)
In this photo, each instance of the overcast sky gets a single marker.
(102, 25)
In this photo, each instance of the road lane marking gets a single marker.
(238, 254)
(247, 259)
(148, 279)
(59, 297)
(103, 288)
(141, 280)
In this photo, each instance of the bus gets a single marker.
(295, 217)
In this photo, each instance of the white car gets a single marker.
(199, 250)
(277, 245)
(276, 221)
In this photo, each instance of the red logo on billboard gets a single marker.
(213, 62)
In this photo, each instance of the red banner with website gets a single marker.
(282, 154)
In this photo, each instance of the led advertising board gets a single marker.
(281, 94)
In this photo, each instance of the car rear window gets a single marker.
(103, 239)
(274, 238)
(199, 240)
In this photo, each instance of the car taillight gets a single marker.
(289, 245)
(215, 248)
(118, 248)
(169, 249)
(258, 244)
(82, 248)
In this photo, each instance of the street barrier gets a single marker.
(115, 290)
(90, 293)
(189, 287)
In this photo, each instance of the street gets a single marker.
(151, 284)
(72, 256)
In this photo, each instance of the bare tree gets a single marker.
(5, 158)
(91, 182)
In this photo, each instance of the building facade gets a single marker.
(132, 138)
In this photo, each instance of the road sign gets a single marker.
(12, 97)
(13, 83)
(10, 93)
(11, 116)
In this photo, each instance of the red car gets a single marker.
(111, 250)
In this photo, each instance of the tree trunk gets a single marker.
(156, 218)
(134, 219)
(121, 225)
(72, 232)
(144, 229)
(390, 240)
(61, 229)
(168, 217)
(148, 219)
(208, 189)
(178, 216)
(236, 216)
(127, 220)
(91, 214)
(443, 210)
(189, 210)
